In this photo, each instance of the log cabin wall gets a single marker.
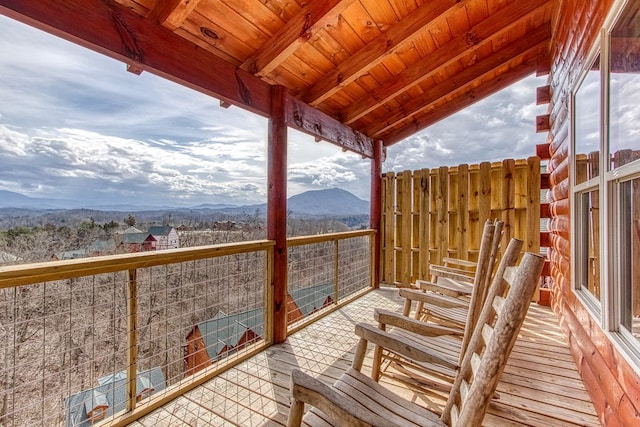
(613, 384)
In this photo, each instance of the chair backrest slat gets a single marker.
(473, 403)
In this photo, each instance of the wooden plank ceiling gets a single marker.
(385, 68)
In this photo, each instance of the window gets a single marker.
(587, 138)
(623, 176)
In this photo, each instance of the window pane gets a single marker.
(630, 254)
(587, 125)
(589, 253)
(624, 81)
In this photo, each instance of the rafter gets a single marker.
(314, 14)
(374, 52)
(461, 101)
(479, 35)
(115, 31)
(529, 43)
(172, 13)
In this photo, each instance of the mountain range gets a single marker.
(333, 201)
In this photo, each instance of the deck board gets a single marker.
(540, 386)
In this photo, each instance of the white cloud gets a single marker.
(75, 124)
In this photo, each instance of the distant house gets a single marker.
(305, 301)
(74, 254)
(7, 258)
(138, 242)
(166, 237)
(109, 397)
(131, 230)
(215, 338)
(101, 247)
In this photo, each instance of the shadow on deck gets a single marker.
(540, 386)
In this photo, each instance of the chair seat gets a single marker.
(378, 400)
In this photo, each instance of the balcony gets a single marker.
(184, 337)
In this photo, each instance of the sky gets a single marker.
(75, 125)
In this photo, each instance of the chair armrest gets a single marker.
(459, 262)
(402, 346)
(443, 301)
(389, 318)
(452, 289)
(452, 273)
(342, 409)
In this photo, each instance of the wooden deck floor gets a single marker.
(540, 386)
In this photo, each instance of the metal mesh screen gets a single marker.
(65, 350)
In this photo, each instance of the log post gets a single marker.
(375, 214)
(277, 208)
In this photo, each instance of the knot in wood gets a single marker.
(297, 118)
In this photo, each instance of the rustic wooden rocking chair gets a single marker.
(448, 344)
(356, 400)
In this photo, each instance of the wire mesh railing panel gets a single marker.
(73, 348)
(311, 279)
(354, 268)
(324, 269)
(57, 339)
(194, 314)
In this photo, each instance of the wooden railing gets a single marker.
(67, 324)
(430, 214)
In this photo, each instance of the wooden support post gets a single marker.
(132, 339)
(277, 208)
(375, 212)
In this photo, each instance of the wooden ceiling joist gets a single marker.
(476, 37)
(314, 14)
(373, 53)
(371, 69)
(172, 13)
(531, 43)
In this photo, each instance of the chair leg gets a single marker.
(377, 362)
(296, 411)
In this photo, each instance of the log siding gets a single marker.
(612, 383)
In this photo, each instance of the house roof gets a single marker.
(112, 391)
(311, 298)
(354, 71)
(102, 246)
(7, 257)
(159, 230)
(138, 238)
(227, 330)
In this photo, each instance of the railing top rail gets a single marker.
(319, 238)
(26, 274)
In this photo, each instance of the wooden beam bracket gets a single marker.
(309, 120)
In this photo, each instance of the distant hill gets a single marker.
(333, 202)
(9, 199)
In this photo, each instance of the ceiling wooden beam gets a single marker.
(374, 52)
(112, 30)
(530, 43)
(463, 100)
(314, 15)
(479, 35)
(172, 13)
(314, 122)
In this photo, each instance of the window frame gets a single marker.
(609, 311)
(578, 250)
